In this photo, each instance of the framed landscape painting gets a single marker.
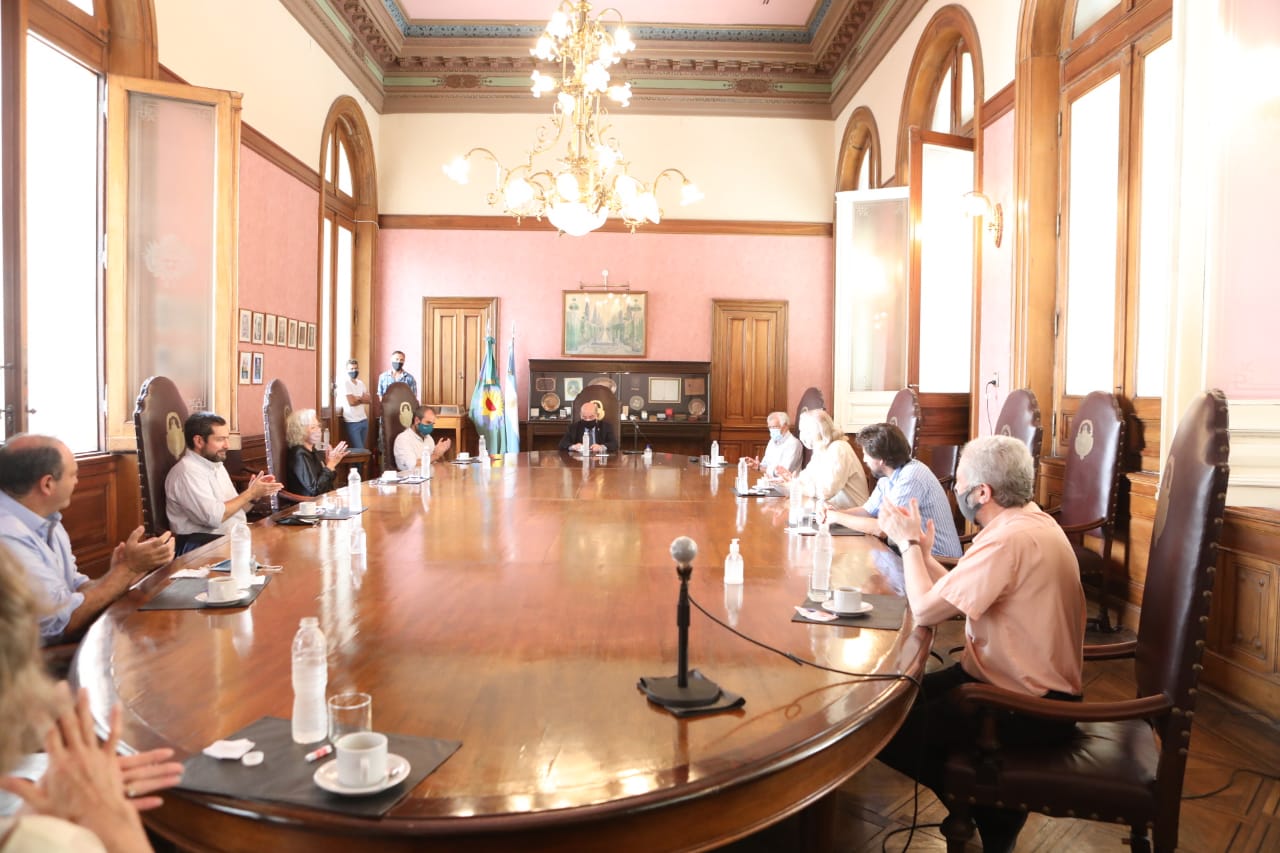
(605, 324)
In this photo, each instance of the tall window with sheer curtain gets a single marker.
(337, 306)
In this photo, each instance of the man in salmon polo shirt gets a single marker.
(1018, 588)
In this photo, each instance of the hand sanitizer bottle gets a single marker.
(733, 564)
(742, 476)
(353, 491)
(715, 453)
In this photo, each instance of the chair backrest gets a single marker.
(1020, 418)
(158, 418)
(904, 413)
(276, 408)
(1091, 475)
(607, 399)
(397, 416)
(811, 399)
(943, 460)
(1180, 573)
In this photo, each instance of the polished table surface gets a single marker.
(513, 607)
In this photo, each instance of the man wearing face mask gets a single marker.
(411, 443)
(397, 373)
(591, 433)
(355, 407)
(1018, 588)
(311, 471)
(784, 450)
(900, 479)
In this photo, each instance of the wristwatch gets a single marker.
(908, 544)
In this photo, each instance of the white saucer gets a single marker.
(326, 776)
(203, 598)
(830, 607)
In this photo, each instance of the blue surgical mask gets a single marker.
(968, 510)
(424, 430)
(396, 365)
(774, 433)
(353, 373)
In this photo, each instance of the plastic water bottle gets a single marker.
(426, 464)
(357, 538)
(353, 491)
(648, 455)
(310, 677)
(588, 439)
(742, 476)
(483, 450)
(820, 577)
(242, 555)
(796, 507)
(715, 453)
(733, 564)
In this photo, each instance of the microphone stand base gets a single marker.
(667, 692)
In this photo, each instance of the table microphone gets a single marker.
(679, 691)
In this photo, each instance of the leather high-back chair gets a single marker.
(276, 408)
(158, 418)
(1090, 485)
(607, 399)
(1126, 763)
(1020, 418)
(397, 416)
(904, 413)
(811, 399)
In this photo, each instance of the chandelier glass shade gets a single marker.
(584, 178)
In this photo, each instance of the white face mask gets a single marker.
(807, 438)
(775, 434)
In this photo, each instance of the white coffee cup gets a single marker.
(847, 599)
(222, 588)
(463, 456)
(362, 759)
(307, 508)
(390, 476)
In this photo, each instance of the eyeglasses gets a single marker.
(955, 488)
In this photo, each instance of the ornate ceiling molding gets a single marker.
(794, 72)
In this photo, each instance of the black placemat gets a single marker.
(886, 614)
(773, 492)
(180, 594)
(726, 702)
(284, 776)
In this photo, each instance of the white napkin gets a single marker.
(191, 573)
(816, 615)
(258, 580)
(229, 749)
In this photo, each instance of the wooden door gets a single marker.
(453, 332)
(748, 371)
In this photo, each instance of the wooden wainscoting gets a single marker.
(944, 420)
(105, 508)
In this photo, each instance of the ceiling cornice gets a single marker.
(453, 69)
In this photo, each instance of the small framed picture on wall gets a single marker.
(311, 336)
(282, 330)
(257, 368)
(293, 334)
(246, 367)
(270, 330)
(246, 324)
(258, 318)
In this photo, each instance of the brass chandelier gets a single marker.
(588, 181)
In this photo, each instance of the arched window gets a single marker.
(859, 162)
(348, 239)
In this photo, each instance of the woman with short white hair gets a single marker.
(310, 471)
(834, 472)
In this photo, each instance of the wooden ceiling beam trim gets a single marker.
(705, 227)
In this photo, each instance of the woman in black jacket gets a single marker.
(311, 472)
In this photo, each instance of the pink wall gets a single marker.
(278, 255)
(996, 309)
(1244, 252)
(527, 270)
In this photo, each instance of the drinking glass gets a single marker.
(349, 712)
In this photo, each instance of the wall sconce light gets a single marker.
(979, 206)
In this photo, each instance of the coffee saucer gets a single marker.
(830, 607)
(203, 598)
(326, 776)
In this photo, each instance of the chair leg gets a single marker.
(957, 829)
(1138, 842)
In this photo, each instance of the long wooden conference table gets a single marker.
(513, 607)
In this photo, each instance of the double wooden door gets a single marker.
(748, 371)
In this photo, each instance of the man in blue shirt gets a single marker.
(37, 476)
(397, 373)
(899, 478)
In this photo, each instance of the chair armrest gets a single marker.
(978, 696)
(1082, 526)
(1110, 651)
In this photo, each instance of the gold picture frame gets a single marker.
(611, 325)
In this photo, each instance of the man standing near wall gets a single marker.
(397, 373)
(355, 407)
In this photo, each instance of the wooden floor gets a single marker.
(1242, 819)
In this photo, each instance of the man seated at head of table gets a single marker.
(199, 498)
(310, 470)
(591, 424)
(1018, 588)
(416, 439)
(784, 451)
(37, 476)
(834, 472)
(899, 479)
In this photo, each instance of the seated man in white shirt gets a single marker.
(416, 440)
(784, 452)
(200, 500)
